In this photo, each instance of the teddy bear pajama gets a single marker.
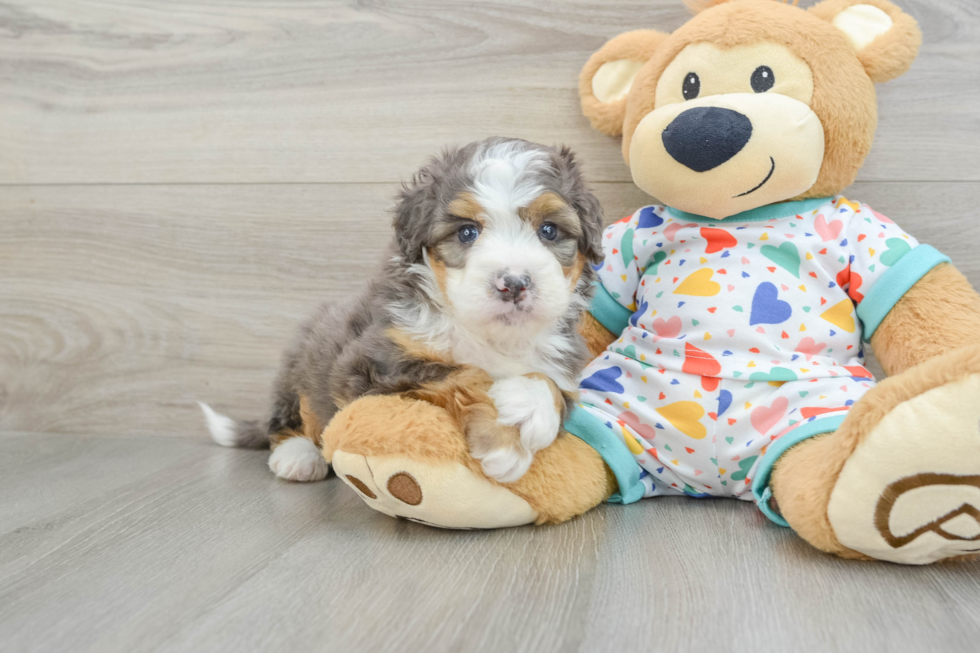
(776, 301)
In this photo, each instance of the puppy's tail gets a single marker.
(248, 434)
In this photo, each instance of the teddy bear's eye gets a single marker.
(762, 79)
(692, 86)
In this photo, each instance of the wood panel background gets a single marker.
(181, 182)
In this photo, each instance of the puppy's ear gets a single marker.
(415, 205)
(590, 244)
(886, 39)
(585, 204)
(606, 79)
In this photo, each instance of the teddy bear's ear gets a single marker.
(887, 39)
(606, 79)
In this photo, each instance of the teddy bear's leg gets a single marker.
(408, 458)
(900, 478)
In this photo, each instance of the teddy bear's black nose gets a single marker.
(703, 138)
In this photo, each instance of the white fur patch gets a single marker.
(505, 177)
(298, 459)
(529, 405)
(506, 464)
(222, 427)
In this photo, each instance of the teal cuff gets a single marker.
(760, 485)
(894, 283)
(610, 313)
(594, 432)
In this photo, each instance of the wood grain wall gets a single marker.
(180, 182)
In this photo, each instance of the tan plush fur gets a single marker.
(843, 98)
(804, 477)
(928, 339)
(565, 480)
(425, 432)
(940, 313)
(890, 54)
(636, 46)
(597, 337)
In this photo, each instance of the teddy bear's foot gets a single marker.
(447, 494)
(408, 458)
(900, 479)
(910, 492)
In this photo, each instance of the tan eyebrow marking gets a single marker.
(545, 205)
(465, 205)
(551, 208)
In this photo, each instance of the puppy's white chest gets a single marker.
(501, 365)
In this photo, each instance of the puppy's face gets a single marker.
(508, 231)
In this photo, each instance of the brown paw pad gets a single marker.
(359, 484)
(961, 523)
(405, 488)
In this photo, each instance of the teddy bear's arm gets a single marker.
(597, 337)
(940, 313)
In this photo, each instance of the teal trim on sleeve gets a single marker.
(760, 484)
(610, 313)
(594, 432)
(894, 283)
(768, 212)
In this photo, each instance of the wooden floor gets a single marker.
(181, 181)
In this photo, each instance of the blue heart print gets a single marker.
(724, 401)
(604, 381)
(767, 308)
(649, 219)
(641, 309)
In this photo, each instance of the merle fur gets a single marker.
(342, 352)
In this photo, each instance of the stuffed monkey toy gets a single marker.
(729, 322)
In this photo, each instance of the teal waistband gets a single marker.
(760, 484)
(594, 432)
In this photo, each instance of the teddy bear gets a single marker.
(729, 322)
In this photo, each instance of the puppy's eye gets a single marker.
(467, 234)
(548, 231)
(762, 79)
(692, 86)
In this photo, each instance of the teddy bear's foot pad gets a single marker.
(910, 492)
(446, 495)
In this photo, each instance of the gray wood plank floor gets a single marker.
(162, 544)
(181, 182)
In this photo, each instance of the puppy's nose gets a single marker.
(703, 138)
(512, 287)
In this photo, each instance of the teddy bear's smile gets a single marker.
(772, 169)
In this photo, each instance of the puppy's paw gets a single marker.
(529, 404)
(298, 459)
(506, 464)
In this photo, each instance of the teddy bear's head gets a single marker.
(751, 102)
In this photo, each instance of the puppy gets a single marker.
(475, 310)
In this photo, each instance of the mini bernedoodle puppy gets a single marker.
(476, 309)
